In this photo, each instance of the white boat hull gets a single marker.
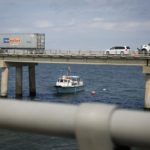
(65, 90)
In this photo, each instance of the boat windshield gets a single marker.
(76, 79)
(68, 78)
(60, 80)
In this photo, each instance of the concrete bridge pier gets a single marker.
(32, 82)
(146, 71)
(18, 81)
(4, 82)
(19, 78)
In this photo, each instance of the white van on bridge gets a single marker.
(121, 50)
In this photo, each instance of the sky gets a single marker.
(79, 24)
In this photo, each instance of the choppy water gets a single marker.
(122, 85)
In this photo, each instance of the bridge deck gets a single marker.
(78, 58)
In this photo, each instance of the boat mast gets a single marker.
(69, 71)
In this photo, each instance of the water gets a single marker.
(121, 85)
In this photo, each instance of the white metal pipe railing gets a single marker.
(53, 119)
(131, 127)
(96, 126)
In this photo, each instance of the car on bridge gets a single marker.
(121, 50)
(145, 49)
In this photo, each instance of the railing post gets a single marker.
(92, 126)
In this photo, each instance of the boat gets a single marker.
(69, 84)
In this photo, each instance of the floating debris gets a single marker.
(93, 93)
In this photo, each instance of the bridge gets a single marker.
(74, 57)
(20, 58)
(95, 126)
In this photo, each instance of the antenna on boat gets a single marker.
(69, 70)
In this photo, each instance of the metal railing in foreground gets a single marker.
(95, 126)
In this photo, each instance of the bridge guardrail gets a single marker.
(64, 52)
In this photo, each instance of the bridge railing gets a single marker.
(63, 52)
(94, 125)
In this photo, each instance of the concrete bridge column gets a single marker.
(146, 71)
(4, 82)
(18, 80)
(32, 82)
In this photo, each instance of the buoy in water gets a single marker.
(93, 92)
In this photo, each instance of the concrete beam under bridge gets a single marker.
(32, 81)
(77, 59)
(3, 64)
(146, 71)
(4, 79)
(18, 81)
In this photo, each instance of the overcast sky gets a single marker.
(79, 24)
